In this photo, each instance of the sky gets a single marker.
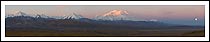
(174, 14)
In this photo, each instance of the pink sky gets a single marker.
(138, 11)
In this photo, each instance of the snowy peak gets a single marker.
(20, 13)
(116, 13)
(74, 16)
(42, 16)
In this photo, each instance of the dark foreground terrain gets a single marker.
(25, 26)
(78, 32)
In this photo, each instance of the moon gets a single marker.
(196, 19)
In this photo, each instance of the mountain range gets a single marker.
(112, 18)
(113, 23)
(112, 15)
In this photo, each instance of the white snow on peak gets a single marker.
(74, 16)
(114, 15)
(20, 13)
(42, 16)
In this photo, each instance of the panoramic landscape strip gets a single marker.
(105, 21)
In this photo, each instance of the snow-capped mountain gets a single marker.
(20, 13)
(74, 16)
(114, 15)
(111, 15)
(41, 16)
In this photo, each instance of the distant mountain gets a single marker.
(74, 16)
(115, 18)
(20, 13)
(41, 16)
(25, 21)
(41, 22)
(114, 15)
